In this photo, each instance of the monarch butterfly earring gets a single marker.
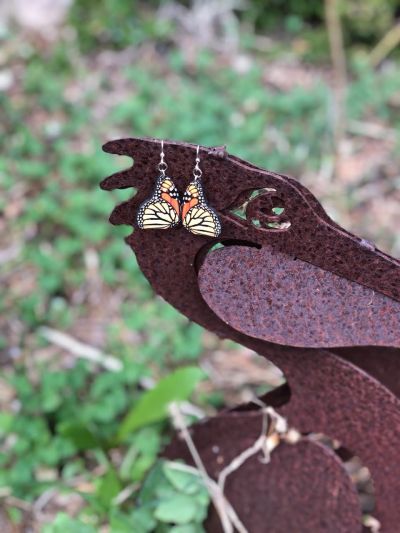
(197, 216)
(162, 209)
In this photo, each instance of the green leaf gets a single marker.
(154, 480)
(143, 520)
(180, 509)
(79, 434)
(182, 481)
(65, 524)
(141, 455)
(15, 515)
(121, 522)
(153, 405)
(6, 420)
(187, 528)
(108, 488)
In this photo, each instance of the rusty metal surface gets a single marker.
(329, 394)
(381, 363)
(274, 297)
(304, 484)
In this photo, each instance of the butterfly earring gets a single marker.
(197, 216)
(162, 209)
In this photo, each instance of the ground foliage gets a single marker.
(71, 430)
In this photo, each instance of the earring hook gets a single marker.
(197, 172)
(162, 165)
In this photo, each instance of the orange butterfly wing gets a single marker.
(173, 202)
(197, 216)
(162, 210)
(188, 205)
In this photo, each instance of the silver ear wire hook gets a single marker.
(162, 165)
(197, 172)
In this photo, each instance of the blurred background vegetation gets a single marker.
(299, 87)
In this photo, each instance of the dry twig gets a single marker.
(80, 349)
(338, 56)
(386, 45)
(226, 513)
(273, 428)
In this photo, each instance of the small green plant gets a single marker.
(171, 499)
(68, 424)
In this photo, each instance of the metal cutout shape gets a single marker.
(342, 392)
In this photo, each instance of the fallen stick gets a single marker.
(80, 349)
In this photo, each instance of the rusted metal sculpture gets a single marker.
(320, 303)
